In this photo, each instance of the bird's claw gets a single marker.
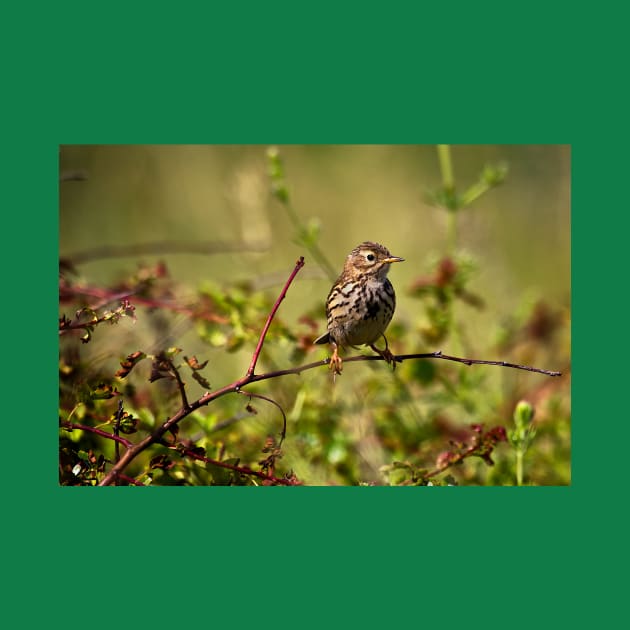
(387, 355)
(335, 363)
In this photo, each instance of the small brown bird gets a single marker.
(361, 303)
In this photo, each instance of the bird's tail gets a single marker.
(325, 338)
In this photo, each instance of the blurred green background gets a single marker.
(518, 233)
(517, 236)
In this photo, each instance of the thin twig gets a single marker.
(252, 366)
(399, 359)
(84, 427)
(283, 434)
(438, 355)
(119, 415)
(130, 480)
(452, 461)
(245, 470)
(180, 384)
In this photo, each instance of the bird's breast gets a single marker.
(359, 311)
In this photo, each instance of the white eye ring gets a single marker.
(370, 256)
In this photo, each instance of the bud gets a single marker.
(523, 414)
(494, 175)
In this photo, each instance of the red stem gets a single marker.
(242, 469)
(252, 366)
(84, 427)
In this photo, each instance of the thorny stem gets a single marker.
(130, 480)
(438, 355)
(252, 366)
(241, 469)
(399, 358)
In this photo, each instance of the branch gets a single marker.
(241, 469)
(399, 359)
(207, 398)
(126, 309)
(482, 446)
(273, 402)
(180, 384)
(130, 480)
(84, 427)
(438, 355)
(252, 366)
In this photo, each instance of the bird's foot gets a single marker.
(387, 354)
(336, 362)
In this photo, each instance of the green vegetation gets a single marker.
(166, 379)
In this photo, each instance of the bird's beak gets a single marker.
(392, 259)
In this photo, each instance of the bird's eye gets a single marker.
(371, 257)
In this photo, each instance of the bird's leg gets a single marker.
(336, 362)
(386, 353)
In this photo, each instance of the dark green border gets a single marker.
(489, 557)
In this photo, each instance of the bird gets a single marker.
(361, 303)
